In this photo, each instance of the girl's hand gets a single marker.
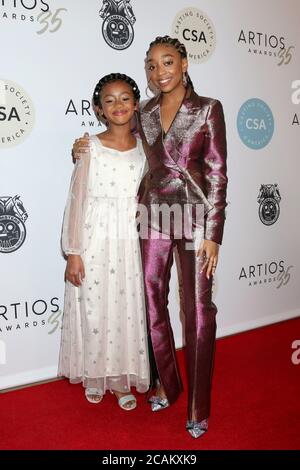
(209, 250)
(80, 146)
(75, 270)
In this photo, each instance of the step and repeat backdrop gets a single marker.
(52, 54)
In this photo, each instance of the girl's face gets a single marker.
(117, 102)
(166, 67)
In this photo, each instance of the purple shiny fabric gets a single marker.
(200, 323)
(194, 147)
(187, 166)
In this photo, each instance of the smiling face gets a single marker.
(117, 102)
(166, 67)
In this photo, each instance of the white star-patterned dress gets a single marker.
(104, 341)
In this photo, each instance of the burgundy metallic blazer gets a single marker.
(192, 153)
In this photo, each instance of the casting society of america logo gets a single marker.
(12, 226)
(255, 123)
(268, 200)
(196, 30)
(117, 27)
(16, 114)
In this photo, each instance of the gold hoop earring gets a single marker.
(184, 79)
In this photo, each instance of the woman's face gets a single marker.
(166, 67)
(117, 102)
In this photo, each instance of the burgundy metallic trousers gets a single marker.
(200, 323)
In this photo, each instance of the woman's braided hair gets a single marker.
(114, 77)
(179, 46)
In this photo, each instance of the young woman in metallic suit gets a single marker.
(185, 141)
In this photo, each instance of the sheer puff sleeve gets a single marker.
(71, 239)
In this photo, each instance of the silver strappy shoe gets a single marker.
(197, 429)
(158, 403)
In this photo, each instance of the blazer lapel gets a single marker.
(150, 120)
(185, 123)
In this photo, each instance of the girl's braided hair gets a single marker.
(179, 46)
(114, 77)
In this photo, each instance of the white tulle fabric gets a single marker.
(104, 341)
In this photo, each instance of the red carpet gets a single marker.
(255, 405)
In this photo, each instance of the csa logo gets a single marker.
(255, 123)
(12, 227)
(268, 200)
(16, 114)
(195, 29)
(117, 27)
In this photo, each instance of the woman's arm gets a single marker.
(215, 172)
(81, 146)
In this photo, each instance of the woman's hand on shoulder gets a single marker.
(81, 146)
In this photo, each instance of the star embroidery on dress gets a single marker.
(95, 331)
(112, 183)
(141, 351)
(122, 292)
(131, 167)
(112, 271)
(96, 282)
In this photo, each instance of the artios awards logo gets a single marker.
(12, 224)
(32, 11)
(255, 123)
(268, 200)
(82, 111)
(117, 27)
(276, 273)
(22, 10)
(16, 114)
(23, 315)
(295, 100)
(266, 45)
(195, 29)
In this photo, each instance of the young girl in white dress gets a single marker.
(104, 341)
